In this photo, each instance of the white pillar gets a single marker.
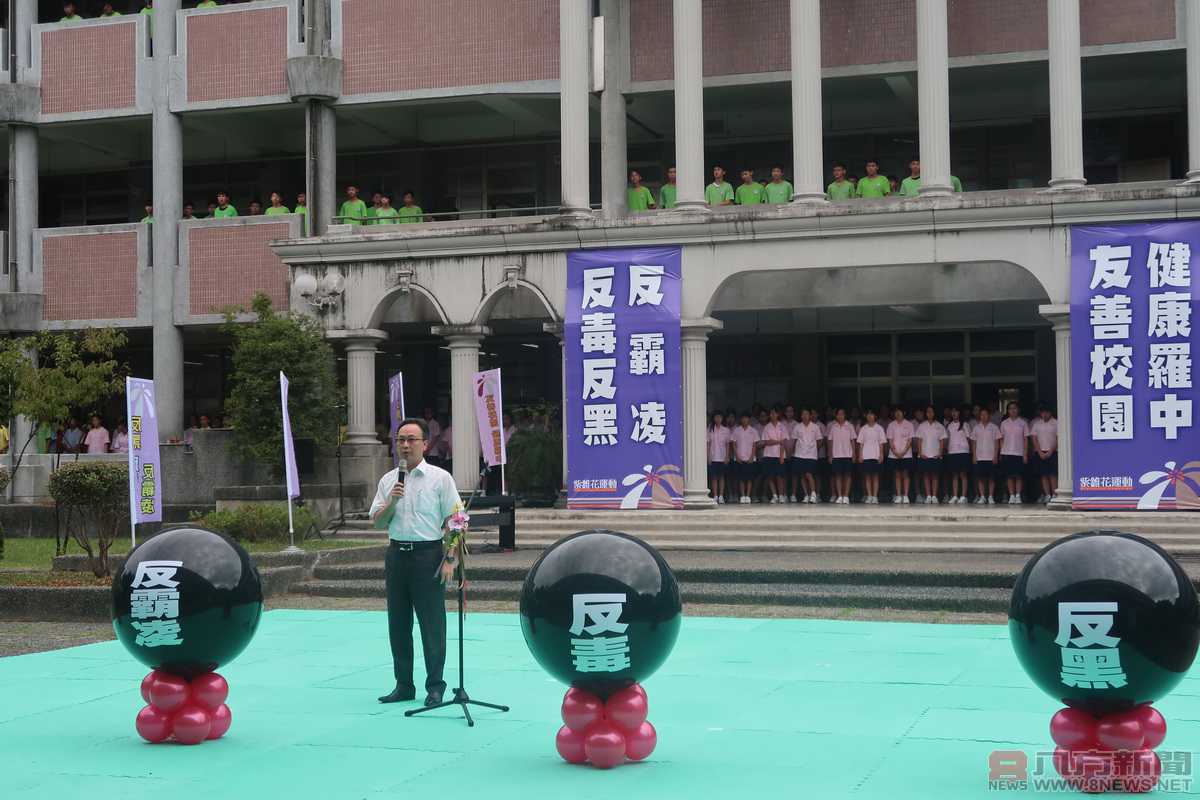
(694, 336)
(360, 385)
(574, 38)
(688, 33)
(614, 166)
(933, 96)
(1060, 317)
(464, 363)
(1066, 96)
(1191, 23)
(807, 121)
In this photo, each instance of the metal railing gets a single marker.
(456, 216)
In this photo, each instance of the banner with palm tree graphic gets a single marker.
(1134, 407)
(623, 379)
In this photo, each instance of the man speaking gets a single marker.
(413, 503)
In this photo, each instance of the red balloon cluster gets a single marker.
(605, 733)
(1111, 752)
(190, 711)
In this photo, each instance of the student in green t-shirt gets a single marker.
(669, 192)
(353, 210)
(840, 188)
(911, 186)
(638, 197)
(386, 214)
(302, 209)
(778, 190)
(207, 4)
(255, 208)
(277, 207)
(149, 218)
(719, 192)
(410, 211)
(376, 204)
(873, 184)
(69, 14)
(107, 10)
(223, 209)
(955, 183)
(148, 12)
(751, 192)
(189, 211)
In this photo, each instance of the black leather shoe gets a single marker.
(399, 695)
(433, 698)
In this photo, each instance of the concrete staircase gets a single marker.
(927, 559)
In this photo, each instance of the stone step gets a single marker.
(933, 598)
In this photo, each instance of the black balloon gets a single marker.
(1132, 648)
(195, 609)
(565, 588)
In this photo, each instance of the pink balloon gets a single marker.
(1119, 732)
(637, 687)
(1153, 725)
(221, 718)
(191, 724)
(627, 709)
(580, 709)
(168, 692)
(147, 682)
(1141, 775)
(640, 743)
(604, 744)
(210, 690)
(153, 725)
(1073, 729)
(569, 744)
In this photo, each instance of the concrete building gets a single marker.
(515, 124)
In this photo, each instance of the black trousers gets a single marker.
(412, 585)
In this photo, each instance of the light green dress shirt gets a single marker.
(430, 496)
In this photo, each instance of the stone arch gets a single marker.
(484, 310)
(385, 303)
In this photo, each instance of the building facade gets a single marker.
(515, 124)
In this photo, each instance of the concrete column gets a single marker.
(1060, 317)
(23, 166)
(556, 328)
(27, 17)
(688, 34)
(933, 96)
(807, 121)
(574, 37)
(464, 363)
(168, 207)
(1066, 96)
(694, 336)
(1191, 23)
(320, 174)
(614, 164)
(360, 385)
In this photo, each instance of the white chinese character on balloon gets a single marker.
(1090, 660)
(597, 288)
(645, 285)
(152, 574)
(649, 423)
(602, 654)
(646, 356)
(1112, 417)
(1111, 365)
(153, 603)
(157, 632)
(1110, 266)
(1170, 414)
(598, 378)
(598, 333)
(600, 424)
(1170, 314)
(1171, 365)
(1110, 317)
(595, 614)
(1170, 264)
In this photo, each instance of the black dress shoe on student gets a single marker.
(433, 698)
(399, 695)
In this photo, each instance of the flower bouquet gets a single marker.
(456, 546)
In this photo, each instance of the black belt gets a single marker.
(421, 545)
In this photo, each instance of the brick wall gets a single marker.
(402, 45)
(89, 68)
(237, 54)
(90, 276)
(228, 264)
(749, 36)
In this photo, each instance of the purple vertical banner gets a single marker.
(395, 412)
(624, 413)
(145, 478)
(1134, 401)
(289, 448)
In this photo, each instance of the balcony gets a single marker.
(97, 274)
(94, 70)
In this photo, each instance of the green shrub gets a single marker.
(534, 468)
(3, 486)
(95, 497)
(258, 522)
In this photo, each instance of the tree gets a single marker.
(294, 345)
(98, 494)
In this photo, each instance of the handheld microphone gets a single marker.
(402, 470)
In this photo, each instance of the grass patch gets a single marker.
(37, 554)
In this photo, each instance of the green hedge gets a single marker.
(258, 522)
(95, 497)
(3, 478)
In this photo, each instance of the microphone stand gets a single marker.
(460, 697)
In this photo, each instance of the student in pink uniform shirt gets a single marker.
(931, 441)
(918, 416)
(1044, 437)
(745, 444)
(841, 438)
(900, 434)
(808, 436)
(872, 439)
(718, 456)
(985, 438)
(791, 474)
(1014, 452)
(958, 456)
(774, 437)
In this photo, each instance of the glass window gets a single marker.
(914, 369)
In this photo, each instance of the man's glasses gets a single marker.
(409, 439)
